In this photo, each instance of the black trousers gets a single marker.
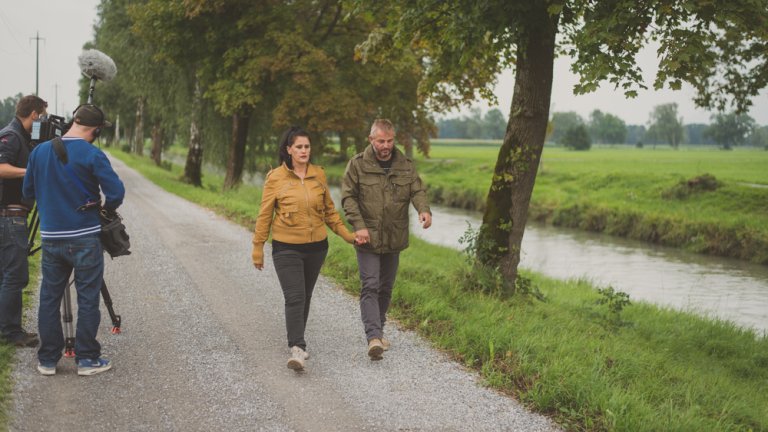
(297, 272)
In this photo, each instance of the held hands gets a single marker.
(426, 220)
(362, 237)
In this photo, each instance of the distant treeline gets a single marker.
(8, 109)
(665, 127)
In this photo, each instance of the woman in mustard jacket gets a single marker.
(296, 204)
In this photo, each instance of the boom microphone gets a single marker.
(96, 65)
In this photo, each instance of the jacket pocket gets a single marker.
(397, 235)
(288, 214)
(401, 188)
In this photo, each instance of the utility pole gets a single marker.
(37, 40)
(56, 98)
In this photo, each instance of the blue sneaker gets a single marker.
(87, 367)
(46, 369)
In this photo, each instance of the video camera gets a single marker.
(47, 128)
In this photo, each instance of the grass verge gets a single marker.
(7, 351)
(635, 367)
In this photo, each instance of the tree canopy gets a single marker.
(718, 46)
(729, 130)
(665, 125)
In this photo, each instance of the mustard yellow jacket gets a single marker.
(296, 210)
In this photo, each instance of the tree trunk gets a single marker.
(360, 143)
(407, 141)
(343, 146)
(157, 144)
(138, 147)
(236, 157)
(193, 167)
(117, 131)
(515, 173)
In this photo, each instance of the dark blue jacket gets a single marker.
(58, 194)
(14, 150)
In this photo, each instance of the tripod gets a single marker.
(66, 302)
(67, 317)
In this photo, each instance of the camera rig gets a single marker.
(47, 128)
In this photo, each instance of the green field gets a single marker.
(623, 191)
(636, 368)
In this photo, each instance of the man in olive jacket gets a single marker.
(378, 186)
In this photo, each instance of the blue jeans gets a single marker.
(60, 257)
(14, 274)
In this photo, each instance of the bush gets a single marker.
(577, 138)
(685, 188)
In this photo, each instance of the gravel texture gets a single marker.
(203, 348)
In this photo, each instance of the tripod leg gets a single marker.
(34, 225)
(66, 314)
(116, 320)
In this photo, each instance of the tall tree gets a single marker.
(8, 109)
(759, 137)
(719, 46)
(606, 128)
(729, 130)
(635, 135)
(495, 124)
(185, 36)
(665, 125)
(562, 122)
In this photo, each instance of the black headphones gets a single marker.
(97, 131)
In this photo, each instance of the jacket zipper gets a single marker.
(309, 212)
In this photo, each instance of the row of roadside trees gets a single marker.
(664, 127)
(228, 75)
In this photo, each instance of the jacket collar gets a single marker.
(312, 171)
(399, 162)
(19, 127)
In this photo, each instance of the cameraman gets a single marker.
(66, 188)
(14, 270)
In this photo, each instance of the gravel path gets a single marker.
(203, 348)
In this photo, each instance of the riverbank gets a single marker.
(591, 367)
(658, 196)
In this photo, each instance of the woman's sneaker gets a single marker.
(296, 362)
(86, 367)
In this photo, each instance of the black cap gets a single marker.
(91, 115)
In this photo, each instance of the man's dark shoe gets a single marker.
(26, 340)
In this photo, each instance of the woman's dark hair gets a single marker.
(287, 140)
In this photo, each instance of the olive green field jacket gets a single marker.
(378, 201)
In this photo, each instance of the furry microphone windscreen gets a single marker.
(95, 64)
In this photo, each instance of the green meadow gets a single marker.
(645, 194)
(583, 357)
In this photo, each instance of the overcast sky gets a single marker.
(64, 28)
